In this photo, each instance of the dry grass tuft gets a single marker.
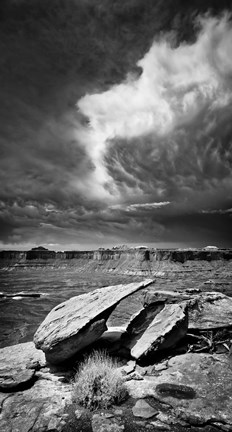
(98, 383)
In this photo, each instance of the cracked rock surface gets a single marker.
(18, 364)
(103, 424)
(32, 395)
(21, 356)
(198, 387)
(40, 408)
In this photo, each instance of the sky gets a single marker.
(115, 123)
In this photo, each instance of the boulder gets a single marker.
(21, 356)
(78, 322)
(16, 379)
(21, 365)
(166, 329)
(152, 295)
(138, 324)
(143, 409)
(207, 310)
(197, 387)
(33, 397)
(17, 366)
(210, 311)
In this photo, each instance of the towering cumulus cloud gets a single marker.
(180, 101)
(115, 123)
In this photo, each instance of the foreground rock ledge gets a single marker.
(79, 321)
(18, 364)
(197, 387)
(40, 408)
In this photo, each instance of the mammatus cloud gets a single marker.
(179, 88)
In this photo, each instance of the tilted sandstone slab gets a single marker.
(166, 329)
(197, 387)
(79, 321)
(207, 310)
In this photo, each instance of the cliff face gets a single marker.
(12, 255)
(146, 256)
(190, 255)
(40, 254)
(77, 254)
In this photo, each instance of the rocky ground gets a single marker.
(174, 357)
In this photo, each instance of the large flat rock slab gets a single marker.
(166, 329)
(198, 387)
(40, 408)
(207, 310)
(153, 295)
(78, 322)
(210, 311)
(21, 356)
(14, 380)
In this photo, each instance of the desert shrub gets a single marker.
(98, 383)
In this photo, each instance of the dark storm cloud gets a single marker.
(65, 181)
(191, 161)
(166, 136)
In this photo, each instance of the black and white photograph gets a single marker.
(115, 215)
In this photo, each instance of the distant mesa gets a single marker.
(141, 247)
(120, 247)
(123, 247)
(40, 252)
(39, 248)
(211, 248)
(119, 256)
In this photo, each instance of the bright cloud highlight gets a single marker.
(175, 86)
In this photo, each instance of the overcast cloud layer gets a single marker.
(135, 152)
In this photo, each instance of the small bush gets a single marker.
(98, 383)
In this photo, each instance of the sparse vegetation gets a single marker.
(98, 382)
